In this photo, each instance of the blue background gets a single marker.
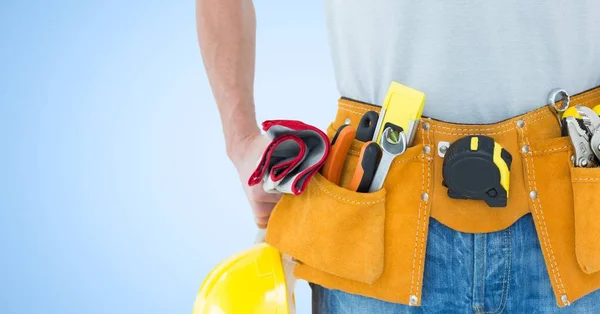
(116, 195)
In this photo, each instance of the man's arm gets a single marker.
(227, 37)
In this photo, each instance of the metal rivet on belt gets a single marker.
(565, 300)
(525, 149)
(413, 300)
(425, 197)
(426, 126)
(443, 148)
(533, 195)
(427, 149)
(520, 123)
(347, 121)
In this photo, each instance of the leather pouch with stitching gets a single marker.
(566, 217)
(586, 198)
(332, 229)
(369, 244)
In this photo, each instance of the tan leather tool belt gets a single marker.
(373, 244)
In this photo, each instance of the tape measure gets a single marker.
(478, 168)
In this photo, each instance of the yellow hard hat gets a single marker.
(252, 281)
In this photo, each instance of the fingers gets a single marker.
(262, 211)
(268, 198)
(261, 223)
(257, 194)
(262, 205)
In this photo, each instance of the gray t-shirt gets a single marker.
(476, 61)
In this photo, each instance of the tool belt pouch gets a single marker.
(586, 198)
(339, 237)
(332, 229)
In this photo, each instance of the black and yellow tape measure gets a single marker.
(476, 167)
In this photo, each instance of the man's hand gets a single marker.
(245, 158)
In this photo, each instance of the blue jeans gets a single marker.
(500, 272)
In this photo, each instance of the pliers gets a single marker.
(583, 126)
(368, 159)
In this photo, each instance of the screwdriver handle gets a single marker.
(368, 160)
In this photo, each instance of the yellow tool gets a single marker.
(570, 112)
(252, 281)
(403, 107)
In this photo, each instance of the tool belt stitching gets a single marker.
(410, 159)
(356, 107)
(481, 131)
(474, 131)
(586, 179)
(584, 96)
(412, 273)
(588, 98)
(352, 111)
(344, 106)
(356, 153)
(500, 126)
(540, 212)
(549, 151)
(541, 118)
(412, 276)
(545, 228)
(323, 189)
(424, 201)
(583, 100)
(540, 111)
(590, 101)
